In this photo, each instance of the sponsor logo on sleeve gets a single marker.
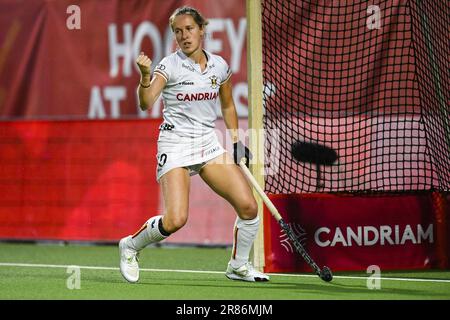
(160, 67)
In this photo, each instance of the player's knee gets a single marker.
(249, 210)
(175, 223)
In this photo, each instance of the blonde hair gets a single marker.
(196, 15)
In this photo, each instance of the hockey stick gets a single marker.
(325, 274)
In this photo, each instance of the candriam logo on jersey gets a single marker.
(197, 96)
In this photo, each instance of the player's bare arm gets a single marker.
(230, 117)
(149, 88)
(229, 109)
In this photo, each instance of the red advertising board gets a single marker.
(75, 59)
(95, 180)
(69, 180)
(354, 232)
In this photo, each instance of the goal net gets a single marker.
(367, 82)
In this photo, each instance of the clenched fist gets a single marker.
(144, 64)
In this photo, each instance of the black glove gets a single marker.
(241, 151)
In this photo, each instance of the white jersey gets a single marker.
(190, 95)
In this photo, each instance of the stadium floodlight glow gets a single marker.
(325, 273)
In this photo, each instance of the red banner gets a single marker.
(72, 180)
(75, 59)
(95, 181)
(354, 232)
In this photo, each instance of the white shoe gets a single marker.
(129, 266)
(245, 273)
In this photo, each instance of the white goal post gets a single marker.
(255, 114)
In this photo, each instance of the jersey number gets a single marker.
(162, 159)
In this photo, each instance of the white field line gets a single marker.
(33, 265)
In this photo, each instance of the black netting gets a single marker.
(367, 84)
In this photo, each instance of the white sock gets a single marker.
(149, 233)
(244, 235)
